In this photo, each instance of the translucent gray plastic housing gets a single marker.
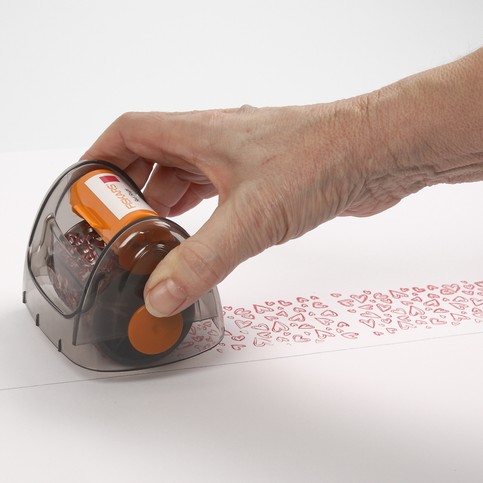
(82, 293)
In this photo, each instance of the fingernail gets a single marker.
(165, 299)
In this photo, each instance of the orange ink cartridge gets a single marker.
(94, 243)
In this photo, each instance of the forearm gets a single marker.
(428, 128)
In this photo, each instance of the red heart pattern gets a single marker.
(351, 316)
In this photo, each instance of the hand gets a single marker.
(279, 172)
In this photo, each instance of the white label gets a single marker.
(116, 195)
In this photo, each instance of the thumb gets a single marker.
(198, 263)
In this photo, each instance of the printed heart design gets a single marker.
(279, 327)
(322, 334)
(346, 302)
(449, 289)
(350, 335)
(244, 313)
(238, 347)
(369, 322)
(458, 317)
(324, 321)
(259, 342)
(300, 338)
(359, 298)
(370, 315)
(415, 311)
(329, 313)
(459, 306)
(261, 309)
(447, 305)
(297, 318)
(383, 307)
(284, 303)
(404, 325)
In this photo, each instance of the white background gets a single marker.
(408, 412)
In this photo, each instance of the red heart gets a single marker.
(415, 311)
(300, 338)
(242, 323)
(238, 347)
(284, 303)
(322, 334)
(279, 327)
(329, 313)
(369, 322)
(260, 342)
(261, 309)
(359, 298)
(297, 318)
(350, 335)
(346, 303)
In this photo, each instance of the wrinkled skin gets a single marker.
(280, 172)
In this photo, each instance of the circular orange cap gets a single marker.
(153, 335)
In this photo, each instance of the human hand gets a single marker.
(279, 172)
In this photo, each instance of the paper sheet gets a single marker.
(412, 273)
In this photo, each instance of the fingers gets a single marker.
(139, 171)
(199, 263)
(165, 189)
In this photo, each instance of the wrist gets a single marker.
(427, 129)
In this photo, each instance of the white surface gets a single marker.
(398, 413)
